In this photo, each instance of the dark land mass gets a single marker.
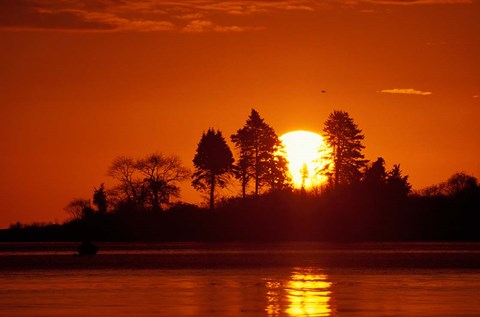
(351, 214)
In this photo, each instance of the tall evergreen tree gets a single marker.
(260, 159)
(213, 163)
(397, 184)
(376, 175)
(100, 199)
(276, 176)
(345, 140)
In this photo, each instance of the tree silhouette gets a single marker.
(78, 208)
(390, 185)
(130, 189)
(242, 169)
(259, 150)
(276, 175)
(345, 139)
(397, 184)
(376, 175)
(100, 199)
(148, 182)
(213, 163)
(458, 183)
(161, 177)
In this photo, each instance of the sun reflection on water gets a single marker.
(305, 293)
(308, 294)
(273, 298)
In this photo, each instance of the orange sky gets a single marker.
(82, 83)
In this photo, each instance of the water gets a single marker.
(241, 280)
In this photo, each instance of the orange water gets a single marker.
(115, 286)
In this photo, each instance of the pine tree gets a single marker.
(100, 199)
(213, 163)
(260, 159)
(376, 174)
(345, 140)
(398, 185)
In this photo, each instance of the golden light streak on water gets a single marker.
(308, 294)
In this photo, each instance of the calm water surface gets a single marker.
(241, 280)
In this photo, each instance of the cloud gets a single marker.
(159, 15)
(245, 7)
(69, 15)
(406, 91)
(476, 96)
(197, 26)
(298, 7)
(191, 16)
(162, 15)
(136, 15)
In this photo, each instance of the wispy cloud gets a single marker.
(244, 7)
(69, 15)
(197, 26)
(406, 91)
(136, 15)
(165, 15)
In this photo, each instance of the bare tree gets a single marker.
(78, 208)
(161, 177)
(124, 170)
(147, 182)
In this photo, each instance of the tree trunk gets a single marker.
(244, 189)
(257, 170)
(155, 203)
(336, 175)
(336, 161)
(212, 192)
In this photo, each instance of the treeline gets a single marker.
(152, 183)
(361, 201)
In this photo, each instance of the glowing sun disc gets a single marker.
(303, 152)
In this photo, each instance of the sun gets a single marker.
(304, 151)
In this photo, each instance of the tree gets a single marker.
(148, 182)
(276, 175)
(242, 169)
(161, 175)
(305, 175)
(345, 140)
(78, 208)
(213, 163)
(391, 185)
(375, 177)
(130, 188)
(460, 183)
(397, 184)
(259, 150)
(100, 199)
